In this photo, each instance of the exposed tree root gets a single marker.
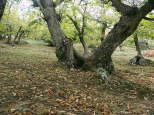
(140, 60)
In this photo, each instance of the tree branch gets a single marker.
(75, 24)
(83, 21)
(149, 19)
(120, 7)
(146, 8)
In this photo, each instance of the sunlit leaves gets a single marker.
(146, 29)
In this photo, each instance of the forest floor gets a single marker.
(33, 83)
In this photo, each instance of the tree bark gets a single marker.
(64, 46)
(2, 7)
(138, 49)
(139, 59)
(9, 30)
(20, 36)
(85, 54)
(82, 33)
(124, 28)
(17, 34)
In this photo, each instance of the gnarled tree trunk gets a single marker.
(2, 7)
(124, 28)
(64, 46)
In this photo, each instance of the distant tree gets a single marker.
(81, 26)
(141, 37)
(20, 33)
(11, 21)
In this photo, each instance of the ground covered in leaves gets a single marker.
(33, 83)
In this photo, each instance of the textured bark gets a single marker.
(64, 46)
(126, 26)
(140, 60)
(123, 29)
(2, 7)
(138, 49)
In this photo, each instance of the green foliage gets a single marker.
(37, 42)
(40, 30)
(31, 22)
(146, 29)
(68, 28)
(37, 29)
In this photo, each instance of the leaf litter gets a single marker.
(35, 84)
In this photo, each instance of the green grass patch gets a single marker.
(36, 42)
